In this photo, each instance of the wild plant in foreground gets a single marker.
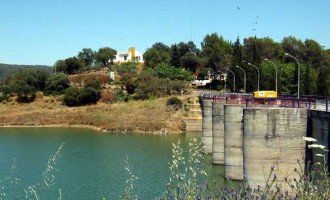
(129, 182)
(313, 182)
(48, 178)
(186, 172)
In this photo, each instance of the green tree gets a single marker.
(236, 61)
(269, 49)
(309, 81)
(158, 53)
(59, 66)
(288, 84)
(105, 55)
(190, 61)
(294, 47)
(173, 73)
(323, 81)
(251, 50)
(313, 53)
(56, 84)
(86, 56)
(128, 77)
(68, 66)
(217, 52)
(25, 93)
(175, 61)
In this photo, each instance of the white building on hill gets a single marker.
(131, 55)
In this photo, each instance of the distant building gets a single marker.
(131, 55)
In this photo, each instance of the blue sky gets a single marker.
(44, 31)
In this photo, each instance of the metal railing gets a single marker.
(308, 103)
(227, 98)
(286, 101)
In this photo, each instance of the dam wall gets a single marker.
(273, 143)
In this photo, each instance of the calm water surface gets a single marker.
(91, 165)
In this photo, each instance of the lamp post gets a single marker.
(257, 71)
(275, 72)
(298, 69)
(234, 79)
(244, 78)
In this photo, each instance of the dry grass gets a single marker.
(150, 116)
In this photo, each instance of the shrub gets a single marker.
(119, 96)
(94, 83)
(71, 96)
(76, 97)
(175, 102)
(56, 84)
(89, 95)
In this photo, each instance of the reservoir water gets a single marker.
(91, 165)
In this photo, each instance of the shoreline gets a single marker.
(54, 126)
(95, 128)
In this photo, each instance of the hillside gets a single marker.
(148, 117)
(8, 69)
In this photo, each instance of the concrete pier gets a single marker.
(320, 130)
(273, 138)
(233, 150)
(218, 133)
(207, 125)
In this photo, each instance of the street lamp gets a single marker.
(275, 72)
(234, 78)
(298, 69)
(257, 71)
(244, 78)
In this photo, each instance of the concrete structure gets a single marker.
(266, 138)
(319, 128)
(273, 138)
(218, 133)
(193, 116)
(207, 125)
(131, 55)
(233, 150)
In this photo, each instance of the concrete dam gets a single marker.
(251, 137)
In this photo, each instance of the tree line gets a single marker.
(217, 55)
(167, 70)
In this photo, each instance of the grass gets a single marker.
(150, 116)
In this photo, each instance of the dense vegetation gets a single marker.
(169, 69)
(7, 70)
(218, 55)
